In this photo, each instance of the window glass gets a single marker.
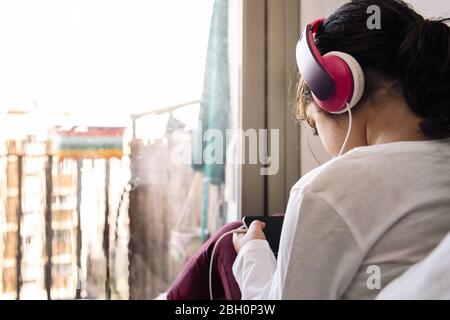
(99, 101)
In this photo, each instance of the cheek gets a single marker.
(330, 135)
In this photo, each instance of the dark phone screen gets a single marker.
(272, 231)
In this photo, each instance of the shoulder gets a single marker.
(351, 162)
(382, 166)
(379, 172)
(364, 164)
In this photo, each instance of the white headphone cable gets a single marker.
(348, 130)
(242, 229)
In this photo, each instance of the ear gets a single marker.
(357, 74)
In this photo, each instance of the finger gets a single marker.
(238, 236)
(257, 224)
(237, 239)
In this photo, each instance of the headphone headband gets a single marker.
(310, 63)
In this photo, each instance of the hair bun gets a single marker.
(424, 61)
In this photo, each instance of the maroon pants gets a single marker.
(193, 281)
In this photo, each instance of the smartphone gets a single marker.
(272, 231)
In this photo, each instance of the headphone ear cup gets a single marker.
(357, 74)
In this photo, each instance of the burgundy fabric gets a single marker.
(193, 281)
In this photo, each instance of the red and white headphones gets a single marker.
(336, 79)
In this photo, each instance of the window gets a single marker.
(95, 97)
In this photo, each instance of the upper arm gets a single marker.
(324, 255)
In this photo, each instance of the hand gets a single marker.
(254, 232)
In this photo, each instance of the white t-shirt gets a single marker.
(364, 216)
(426, 280)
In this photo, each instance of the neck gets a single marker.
(392, 121)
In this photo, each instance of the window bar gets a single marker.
(79, 235)
(19, 220)
(48, 224)
(132, 221)
(106, 231)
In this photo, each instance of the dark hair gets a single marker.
(407, 47)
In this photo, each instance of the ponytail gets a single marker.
(424, 59)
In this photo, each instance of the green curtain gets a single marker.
(214, 105)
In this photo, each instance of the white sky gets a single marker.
(103, 58)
